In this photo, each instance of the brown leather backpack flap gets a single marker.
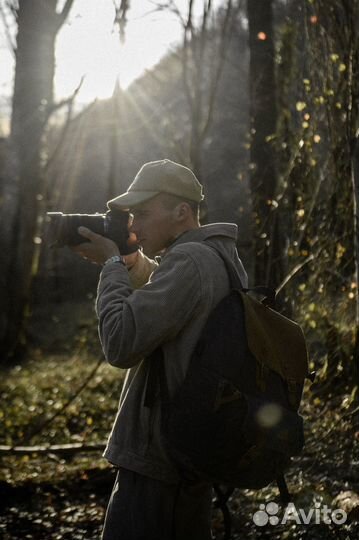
(275, 341)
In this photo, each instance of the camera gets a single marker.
(113, 224)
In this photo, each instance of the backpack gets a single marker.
(234, 421)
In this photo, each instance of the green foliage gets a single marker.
(317, 85)
(33, 392)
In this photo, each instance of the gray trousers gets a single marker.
(141, 508)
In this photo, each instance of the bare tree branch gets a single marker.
(63, 449)
(169, 6)
(295, 270)
(62, 138)
(12, 44)
(121, 17)
(67, 101)
(61, 17)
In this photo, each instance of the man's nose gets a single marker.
(133, 227)
(132, 232)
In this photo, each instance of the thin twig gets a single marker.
(48, 421)
(295, 271)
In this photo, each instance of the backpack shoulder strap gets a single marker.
(232, 271)
(268, 294)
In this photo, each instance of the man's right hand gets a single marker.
(131, 258)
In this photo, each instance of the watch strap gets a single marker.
(115, 259)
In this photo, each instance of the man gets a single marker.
(168, 308)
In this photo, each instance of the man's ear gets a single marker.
(182, 211)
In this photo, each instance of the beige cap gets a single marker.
(163, 176)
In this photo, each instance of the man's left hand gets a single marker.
(97, 249)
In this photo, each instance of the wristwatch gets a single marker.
(115, 259)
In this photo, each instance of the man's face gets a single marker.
(154, 225)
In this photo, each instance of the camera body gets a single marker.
(113, 224)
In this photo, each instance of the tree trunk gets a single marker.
(116, 145)
(38, 24)
(263, 115)
(355, 176)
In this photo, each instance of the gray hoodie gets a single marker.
(169, 310)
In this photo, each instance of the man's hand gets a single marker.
(99, 248)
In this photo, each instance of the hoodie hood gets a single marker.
(223, 232)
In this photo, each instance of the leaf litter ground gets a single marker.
(56, 498)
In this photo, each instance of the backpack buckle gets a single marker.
(226, 393)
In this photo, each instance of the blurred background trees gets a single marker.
(260, 98)
(23, 182)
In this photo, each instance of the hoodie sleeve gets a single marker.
(132, 323)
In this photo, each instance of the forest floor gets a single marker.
(56, 497)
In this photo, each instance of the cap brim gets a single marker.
(130, 199)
